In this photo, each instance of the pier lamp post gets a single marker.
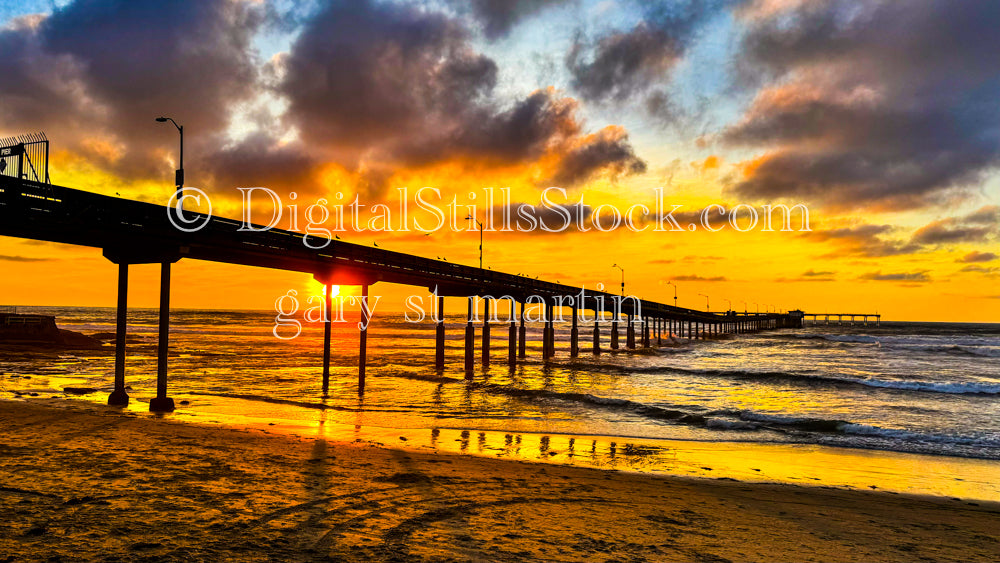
(756, 308)
(707, 306)
(179, 175)
(744, 306)
(730, 304)
(675, 291)
(480, 239)
(623, 277)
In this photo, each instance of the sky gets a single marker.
(880, 118)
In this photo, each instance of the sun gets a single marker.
(314, 287)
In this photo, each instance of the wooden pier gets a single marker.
(134, 232)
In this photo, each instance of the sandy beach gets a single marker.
(84, 482)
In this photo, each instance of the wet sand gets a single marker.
(84, 482)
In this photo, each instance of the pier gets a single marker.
(133, 232)
(852, 318)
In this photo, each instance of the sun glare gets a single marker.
(313, 287)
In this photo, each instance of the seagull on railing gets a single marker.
(376, 244)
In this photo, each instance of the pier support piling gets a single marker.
(630, 333)
(163, 403)
(327, 328)
(470, 342)
(486, 334)
(119, 397)
(512, 338)
(522, 336)
(363, 340)
(548, 332)
(574, 336)
(439, 337)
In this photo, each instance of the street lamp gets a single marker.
(730, 304)
(480, 239)
(675, 291)
(623, 277)
(707, 306)
(179, 176)
(744, 307)
(757, 307)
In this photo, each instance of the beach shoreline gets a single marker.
(84, 481)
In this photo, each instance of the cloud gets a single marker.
(369, 88)
(805, 279)
(887, 105)
(498, 17)
(813, 273)
(15, 258)
(920, 276)
(980, 269)
(863, 240)
(389, 85)
(978, 226)
(606, 151)
(976, 256)
(697, 278)
(636, 64)
(98, 72)
(987, 215)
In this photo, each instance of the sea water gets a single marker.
(907, 388)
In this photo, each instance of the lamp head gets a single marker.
(161, 119)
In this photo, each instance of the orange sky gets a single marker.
(894, 154)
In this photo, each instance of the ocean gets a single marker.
(911, 388)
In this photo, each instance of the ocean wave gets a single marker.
(976, 347)
(906, 435)
(956, 388)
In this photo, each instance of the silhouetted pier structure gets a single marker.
(134, 232)
(851, 318)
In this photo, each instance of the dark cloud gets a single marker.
(498, 17)
(980, 269)
(96, 73)
(881, 104)
(259, 160)
(979, 226)
(988, 215)
(976, 256)
(362, 72)
(806, 278)
(636, 63)
(813, 273)
(393, 85)
(950, 231)
(863, 240)
(876, 240)
(623, 62)
(607, 151)
(16, 258)
(919, 277)
(697, 278)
